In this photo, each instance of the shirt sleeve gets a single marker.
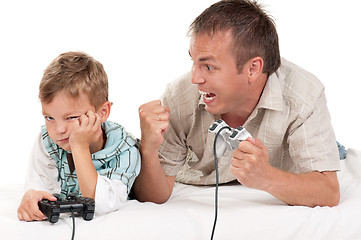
(312, 143)
(173, 151)
(42, 172)
(110, 195)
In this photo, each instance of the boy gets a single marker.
(78, 150)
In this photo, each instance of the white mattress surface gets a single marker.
(243, 214)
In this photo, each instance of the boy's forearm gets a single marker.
(85, 171)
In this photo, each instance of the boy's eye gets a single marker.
(73, 117)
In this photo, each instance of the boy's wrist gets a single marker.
(80, 148)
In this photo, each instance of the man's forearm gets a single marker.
(152, 185)
(308, 189)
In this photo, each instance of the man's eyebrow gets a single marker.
(202, 59)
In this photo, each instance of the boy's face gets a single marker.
(60, 115)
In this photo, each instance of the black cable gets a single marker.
(217, 178)
(72, 215)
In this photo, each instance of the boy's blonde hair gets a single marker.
(75, 72)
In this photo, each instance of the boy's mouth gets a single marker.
(64, 140)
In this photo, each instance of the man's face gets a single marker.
(60, 115)
(215, 72)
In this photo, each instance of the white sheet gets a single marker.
(243, 214)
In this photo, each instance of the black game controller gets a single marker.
(81, 205)
(229, 137)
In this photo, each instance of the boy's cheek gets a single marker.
(51, 133)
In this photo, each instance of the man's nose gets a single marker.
(197, 77)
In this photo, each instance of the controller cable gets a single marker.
(217, 178)
(72, 215)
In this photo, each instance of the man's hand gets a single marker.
(250, 164)
(152, 185)
(29, 209)
(154, 121)
(86, 131)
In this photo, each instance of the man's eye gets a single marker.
(48, 118)
(210, 68)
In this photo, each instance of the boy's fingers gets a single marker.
(26, 216)
(91, 117)
(49, 196)
(39, 216)
(84, 120)
(98, 121)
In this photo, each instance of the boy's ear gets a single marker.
(104, 111)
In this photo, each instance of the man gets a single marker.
(239, 76)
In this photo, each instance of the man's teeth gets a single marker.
(202, 93)
(207, 96)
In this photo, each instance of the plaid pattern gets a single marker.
(120, 159)
(291, 119)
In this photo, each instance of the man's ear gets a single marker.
(255, 68)
(104, 111)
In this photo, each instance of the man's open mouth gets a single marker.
(207, 96)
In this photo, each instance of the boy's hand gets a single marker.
(29, 209)
(86, 131)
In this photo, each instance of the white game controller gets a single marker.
(229, 137)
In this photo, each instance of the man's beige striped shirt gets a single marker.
(291, 119)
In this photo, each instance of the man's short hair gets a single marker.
(254, 32)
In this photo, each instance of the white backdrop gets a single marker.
(143, 46)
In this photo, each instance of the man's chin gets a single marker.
(213, 110)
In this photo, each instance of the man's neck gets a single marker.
(239, 116)
(235, 119)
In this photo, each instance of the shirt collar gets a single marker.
(271, 97)
(201, 102)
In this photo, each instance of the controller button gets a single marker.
(91, 208)
(88, 216)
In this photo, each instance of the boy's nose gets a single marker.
(61, 127)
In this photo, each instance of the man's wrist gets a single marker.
(147, 150)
